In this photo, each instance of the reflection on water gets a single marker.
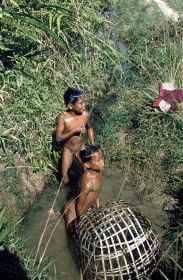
(58, 249)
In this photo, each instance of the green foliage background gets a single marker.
(177, 5)
(47, 46)
(52, 46)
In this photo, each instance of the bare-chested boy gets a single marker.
(90, 187)
(71, 127)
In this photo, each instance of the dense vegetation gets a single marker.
(47, 46)
(178, 5)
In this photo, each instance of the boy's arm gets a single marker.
(90, 132)
(81, 205)
(60, 135)
(97, 203)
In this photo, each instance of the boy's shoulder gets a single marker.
(64, 115)
(87, 176)
(85, 114)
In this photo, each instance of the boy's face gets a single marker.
(97, 162)
(79, 106)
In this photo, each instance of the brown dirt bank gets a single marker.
(20, 185)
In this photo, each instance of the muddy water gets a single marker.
(114, 186)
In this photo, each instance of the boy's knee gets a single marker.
(65, 169)
(65, 179)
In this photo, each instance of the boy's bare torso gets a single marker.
(90, 187)
(71, 123)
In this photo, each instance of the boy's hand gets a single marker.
(81, 129)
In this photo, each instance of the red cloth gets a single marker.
(171, 97)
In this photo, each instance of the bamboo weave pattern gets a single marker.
(116, 242)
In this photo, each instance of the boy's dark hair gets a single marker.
(87, 152)
(71, 95)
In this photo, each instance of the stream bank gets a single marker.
(20, 186)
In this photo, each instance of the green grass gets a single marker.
(49, 46)
(45, 48)
(177, 5)
(154, 56)
(12, 246)
(32, 91)
(152, 153)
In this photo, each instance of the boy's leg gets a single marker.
(67, 158)
(75, 172)
(71, 222)
(80, 161)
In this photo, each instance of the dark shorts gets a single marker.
(72, 229)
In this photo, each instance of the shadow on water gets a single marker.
(173, 268)
(114, 186)
(10, 267)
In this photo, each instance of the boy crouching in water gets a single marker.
(90, 187)
(71, 127)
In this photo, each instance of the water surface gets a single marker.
(114, 186)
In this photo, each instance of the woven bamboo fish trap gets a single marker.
(116, 242)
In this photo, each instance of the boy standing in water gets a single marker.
(90, 187)
(71, 127)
